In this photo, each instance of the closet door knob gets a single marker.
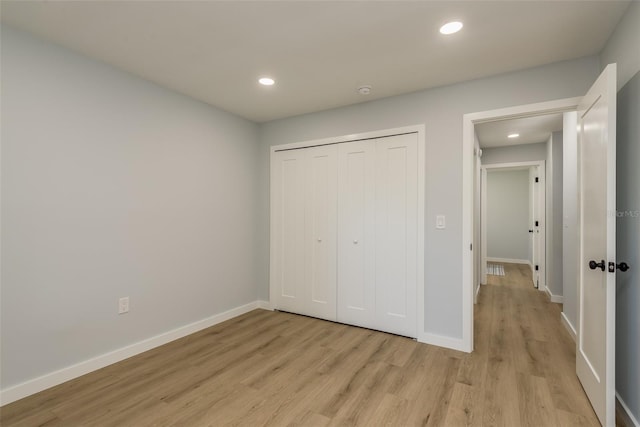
(355, 242)
(319, 240)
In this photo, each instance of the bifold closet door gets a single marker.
(288, 228)
(344, 232)
(356, 238)
(320, 231)
(304, 198)
(396, 218)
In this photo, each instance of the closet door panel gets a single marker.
(321, 227)
(289, 222)
(396, 234)
(356, 244)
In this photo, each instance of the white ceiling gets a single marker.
(531, 129)
(319, 52)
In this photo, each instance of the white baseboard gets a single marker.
(630, 420)
(509, 260)
(265, 305)
(51, 379)
(442, 341)
(567, 324)
(554, 298)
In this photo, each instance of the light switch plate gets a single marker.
(440, 222)
(123, 305)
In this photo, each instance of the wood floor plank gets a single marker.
(466, 406)
(354, 374)
(310, 419)
(570, 419)
(296, 406)
(534, 400)
(39, 418)
(390, 409)
(362, 400)
(44, 401)
(280, 369)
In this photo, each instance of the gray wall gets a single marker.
(515, 153)
(508, 214)
(570, 241)
(112, 187)
(628, 245)
(622, 48)
(548, 214)
(554, 216)
(441, 110)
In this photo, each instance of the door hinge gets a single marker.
(537, 268)
(537, 179)
(537, 224)
(471, 246)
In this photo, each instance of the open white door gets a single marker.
(595, 346)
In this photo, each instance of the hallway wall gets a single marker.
(508, 214)
(628, 246)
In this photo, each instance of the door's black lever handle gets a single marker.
(623, 266)
(593, 265)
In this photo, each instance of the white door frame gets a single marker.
(468, 124)
(540, 205)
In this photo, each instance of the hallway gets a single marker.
(526, 356)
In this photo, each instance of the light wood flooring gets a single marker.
(279, 369)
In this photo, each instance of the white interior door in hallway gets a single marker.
(595, 344)
(345, 239)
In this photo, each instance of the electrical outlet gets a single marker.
(123, 305)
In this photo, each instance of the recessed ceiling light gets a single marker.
(451, 27)
(266, 81)
(513, 135)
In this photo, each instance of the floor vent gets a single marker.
(495, 269)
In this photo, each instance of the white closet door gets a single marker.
(320, 231)
(288, 248)
(396, 233)
(356, 240)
